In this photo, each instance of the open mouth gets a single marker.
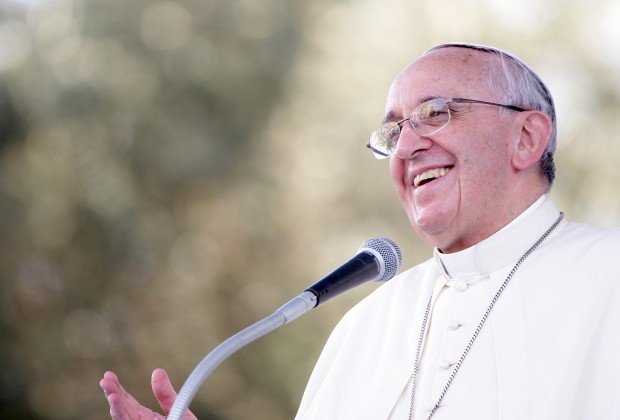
(430, 175)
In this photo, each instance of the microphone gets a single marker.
(377, 259)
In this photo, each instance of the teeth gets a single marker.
(430, 174)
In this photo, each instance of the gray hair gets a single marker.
(524, 88)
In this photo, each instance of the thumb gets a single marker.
(163, 390)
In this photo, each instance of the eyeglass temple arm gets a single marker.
(476, 101)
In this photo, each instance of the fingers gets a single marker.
(122, 405)
(110, 384)
(117, 409)
(115, 395)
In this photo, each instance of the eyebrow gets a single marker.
(390, 116)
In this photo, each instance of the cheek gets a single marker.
(397, 172)
(483, 174)
(398, 169)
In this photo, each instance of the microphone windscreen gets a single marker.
(388, 255)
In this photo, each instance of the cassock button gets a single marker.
(445, 364)
(460, 285)
(454, 324)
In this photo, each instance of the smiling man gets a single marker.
(456, 158)
(517, 314)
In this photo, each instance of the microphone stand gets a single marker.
(285, 314)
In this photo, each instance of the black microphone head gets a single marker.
(388, 256)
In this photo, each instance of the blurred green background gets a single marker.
(171, 172)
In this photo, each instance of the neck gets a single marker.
(500, 215)
(504, 246)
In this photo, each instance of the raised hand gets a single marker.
(125, 407)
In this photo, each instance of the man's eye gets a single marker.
(394, 131)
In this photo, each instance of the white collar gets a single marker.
(503, 247)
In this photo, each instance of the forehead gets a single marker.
(447, 72)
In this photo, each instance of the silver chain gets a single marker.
(458, 364)
(418, 351)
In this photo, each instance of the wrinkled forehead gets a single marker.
(459, 64)
(448, 72)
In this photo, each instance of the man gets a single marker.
(516, 315)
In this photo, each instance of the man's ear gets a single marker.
(533, 138)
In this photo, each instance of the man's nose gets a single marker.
(410, 142)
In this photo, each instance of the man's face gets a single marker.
(468, 203)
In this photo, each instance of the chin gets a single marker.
(434, 230)
(428, 232)
(430, 221)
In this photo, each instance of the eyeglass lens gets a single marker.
(426, 119)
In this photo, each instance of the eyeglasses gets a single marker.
(425, 119)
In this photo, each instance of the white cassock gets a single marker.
(549, 350)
